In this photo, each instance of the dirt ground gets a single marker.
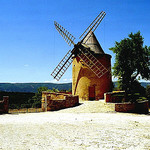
(90, 126)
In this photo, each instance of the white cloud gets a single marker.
(51, 81)
(26, 65)
(60, 81)
(67, 80)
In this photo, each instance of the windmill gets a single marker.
(86, 56)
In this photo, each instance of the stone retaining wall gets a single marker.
(56, 101)
(140, 107)
(125, 107)
(4, 105)
(114, 97)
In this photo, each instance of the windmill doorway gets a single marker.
(91, 92)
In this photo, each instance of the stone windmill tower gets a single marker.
(91, 67)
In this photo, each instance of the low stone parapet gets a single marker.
(71, 101)
(57, 101)
(56, 105)
(114, 97)
(54, 96)
(125, 107)
(4, 105)
(140, 107)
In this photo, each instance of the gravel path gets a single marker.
(90, 126)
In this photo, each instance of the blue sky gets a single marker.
(30, 46)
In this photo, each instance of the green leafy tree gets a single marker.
(132, 61)
(70, 90)
(36, 100)
(53, 90)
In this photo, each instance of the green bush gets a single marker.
(36, 104)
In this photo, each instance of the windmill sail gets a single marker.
(69, 38)
(62, 66)
(80, 50)
(92, 27)
(93, 63)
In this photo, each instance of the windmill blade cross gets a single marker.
(62, 66)
(69, 38)
(92, 27)
(79, 50)
(92, 62)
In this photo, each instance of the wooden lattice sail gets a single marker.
(91, 67)
(79, 49)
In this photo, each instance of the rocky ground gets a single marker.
(90, 126)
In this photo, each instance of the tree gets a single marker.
(132, 61)
(53, 90)
(36, 100)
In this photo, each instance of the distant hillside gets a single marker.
(144, 84)
(32, 87)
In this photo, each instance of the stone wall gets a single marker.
(4, 104)
(57, 101)
(140, 107)
(114, 97)
(54, 96)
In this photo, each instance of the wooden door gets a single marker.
(91, 92)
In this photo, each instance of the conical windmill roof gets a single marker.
(93, 43)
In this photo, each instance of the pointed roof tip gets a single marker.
(92, 42)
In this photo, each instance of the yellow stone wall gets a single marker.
(55, 101)
(83, 77)
(53, 96)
